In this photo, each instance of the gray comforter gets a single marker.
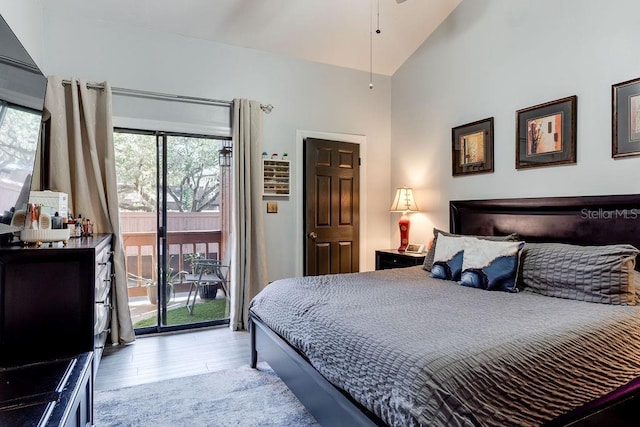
(421, 351)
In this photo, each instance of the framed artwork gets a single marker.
(472, 148)
(626, 119)
(546, 134)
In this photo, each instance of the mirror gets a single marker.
(22, 90)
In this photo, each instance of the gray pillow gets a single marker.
(602, 274)
(428, 258)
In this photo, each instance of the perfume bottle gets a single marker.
(56, 221)
(78, 228)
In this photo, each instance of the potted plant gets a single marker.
(151, 285)
(152, 291)
(208, 292)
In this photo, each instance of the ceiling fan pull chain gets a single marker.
(378, 28)
(371, 45)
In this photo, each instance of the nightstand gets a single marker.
(391, 258)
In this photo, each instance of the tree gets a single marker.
(19, 130)
(136, 171)
(193, 172)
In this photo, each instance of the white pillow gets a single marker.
(490, 265)
(448, 256)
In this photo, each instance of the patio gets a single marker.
(141, 309)
(199, 236)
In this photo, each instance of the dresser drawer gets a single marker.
(100, 341)
(103, 282)
(102, 317)
(103, 256)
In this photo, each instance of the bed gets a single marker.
(401, 348)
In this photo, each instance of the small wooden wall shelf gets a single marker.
(276, 177)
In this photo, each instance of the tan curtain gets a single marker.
(82, 164)
(249, 267)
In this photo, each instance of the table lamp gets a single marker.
(405, 203)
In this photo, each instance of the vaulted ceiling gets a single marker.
(328, 31)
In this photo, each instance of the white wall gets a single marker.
(306, 96)
(25, 19)
(491, 58)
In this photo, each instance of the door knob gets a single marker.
(312, 235)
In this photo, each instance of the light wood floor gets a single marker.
(160, 357)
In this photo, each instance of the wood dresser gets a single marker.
(55, 302)
(55, 312)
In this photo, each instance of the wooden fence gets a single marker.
(140, 242)
(147, 221)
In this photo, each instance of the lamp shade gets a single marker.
(404, 201)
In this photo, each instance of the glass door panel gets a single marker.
(136, 166)
(194, 231)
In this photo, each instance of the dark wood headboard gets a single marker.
(588, 220)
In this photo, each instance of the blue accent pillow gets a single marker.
(490, 265)
(448, 258)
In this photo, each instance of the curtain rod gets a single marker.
(157, 95)
(166, 96)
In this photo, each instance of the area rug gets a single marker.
(237, 397)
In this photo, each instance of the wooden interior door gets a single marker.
(332, 206)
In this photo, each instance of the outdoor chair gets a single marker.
(205, 272)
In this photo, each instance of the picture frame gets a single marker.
(546, 134)
(625, 121)
(472, 148)
(414, 248)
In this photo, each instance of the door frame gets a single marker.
(162, 247)
(298, 190)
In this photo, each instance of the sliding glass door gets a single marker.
(171, 209)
